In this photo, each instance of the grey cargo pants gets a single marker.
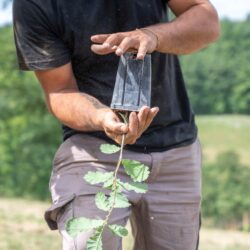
(165, 218)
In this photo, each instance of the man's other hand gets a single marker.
(141, 40)
(138, 123)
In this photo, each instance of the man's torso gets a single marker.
(74, 22)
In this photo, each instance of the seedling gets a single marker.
(132, 91)
(138, 173)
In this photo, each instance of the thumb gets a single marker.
(116, 127)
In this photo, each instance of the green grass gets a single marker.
(225, 132)
(22, 228)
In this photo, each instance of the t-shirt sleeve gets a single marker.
(37, 40)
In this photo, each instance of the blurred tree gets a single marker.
(226, 189)
(218, 77)
(28, 133)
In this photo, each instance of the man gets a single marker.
(74, 49)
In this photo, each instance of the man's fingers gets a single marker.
(142, 51)
(153, 112)
(142, 40)
(113, 126)
(114, 40)
(99, 38)
(101, 49)
(132, 129)
(116, 128)
(138, 123)
(142, 117)
(108, 43)
(127, 43)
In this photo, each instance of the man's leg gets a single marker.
(74, 197)
(168, 215)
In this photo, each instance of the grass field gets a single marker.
(225, 132)
(22, 228)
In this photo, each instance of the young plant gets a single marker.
(137, 171)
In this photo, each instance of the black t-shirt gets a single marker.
(51, 33)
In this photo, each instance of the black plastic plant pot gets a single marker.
(133, 83)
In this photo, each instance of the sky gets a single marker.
(235, 10)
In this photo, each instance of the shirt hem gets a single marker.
(143, 149)
(43, 65)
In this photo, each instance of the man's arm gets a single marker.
(83, 112)
(195, 27)
(66, 103)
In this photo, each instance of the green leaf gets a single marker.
(139, 188)
(136, 170)
(102, 202)
(118, 230)
(121, 200)
(95, 241)
(97, 177)
(108, 184)
(109, 149)
(81, 224)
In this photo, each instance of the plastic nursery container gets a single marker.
(133, 83)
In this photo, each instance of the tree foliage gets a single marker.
(218, 77)
(226, 190)
(28, 133)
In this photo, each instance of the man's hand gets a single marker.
(138, 123)
(196, 26)
(141, 40)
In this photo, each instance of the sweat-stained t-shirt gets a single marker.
(51, 33)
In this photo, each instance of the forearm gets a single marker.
(189, 32)
(77, 110)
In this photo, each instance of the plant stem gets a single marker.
(114, 186)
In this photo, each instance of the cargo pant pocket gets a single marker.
(52, 213)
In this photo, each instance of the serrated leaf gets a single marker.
(108, 184)
(95, 241)
(118, 230)
(102, 201)
(136, 170)
(81, 224)
(137, 187)
(97, 177)
(121, 200)
(109, 149)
